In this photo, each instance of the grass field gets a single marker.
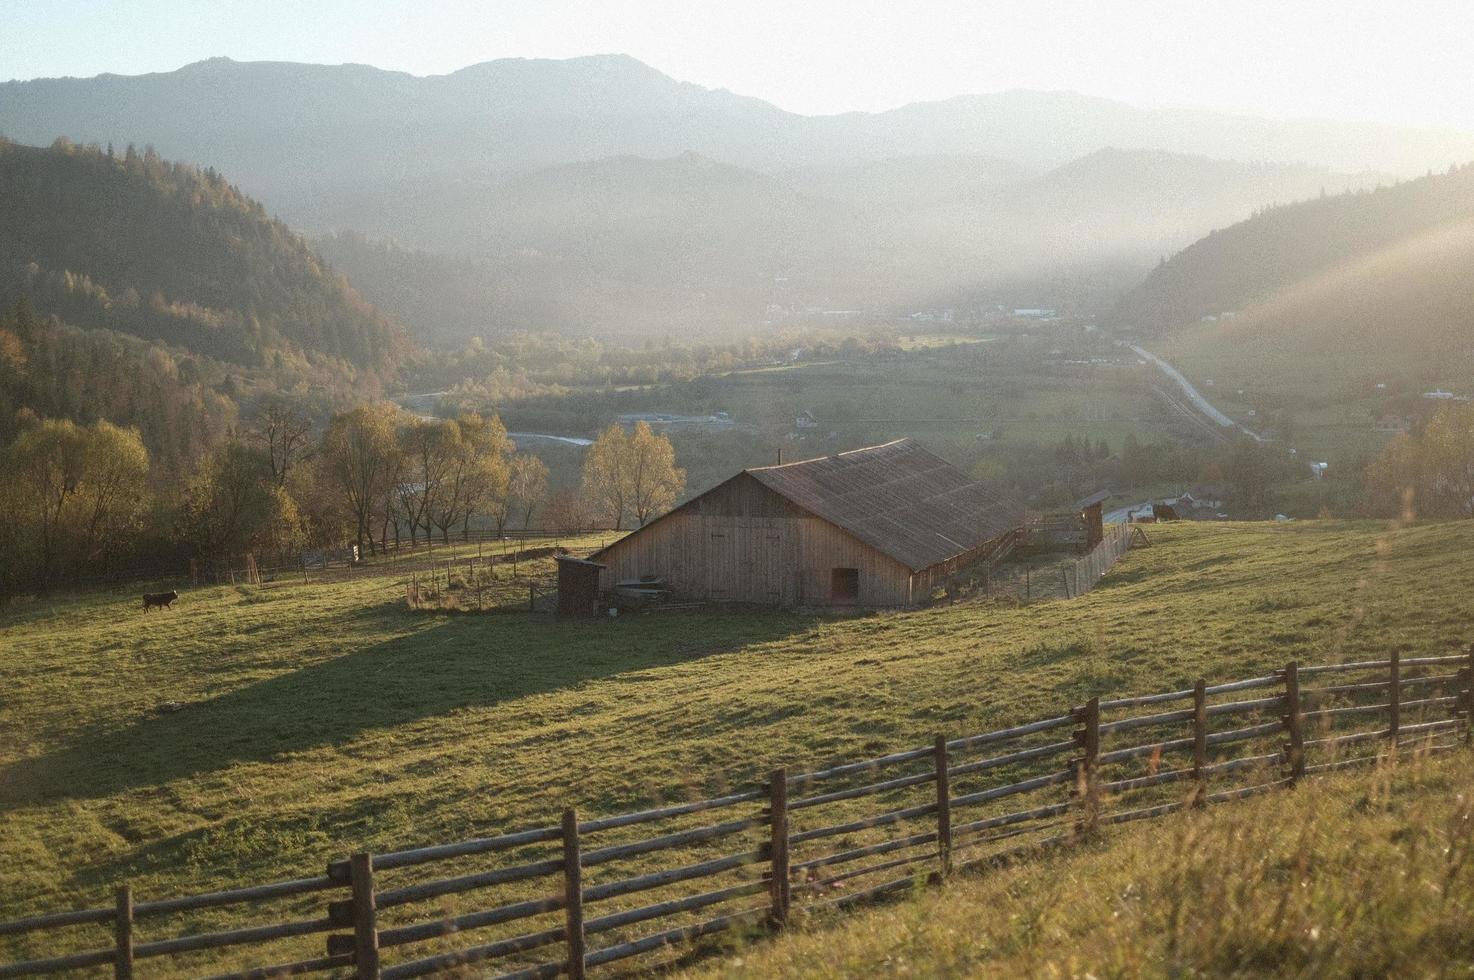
(1364, 876)
(321, 719)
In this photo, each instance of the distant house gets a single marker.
(806, 420)
(881, 526)
(1035, 314)
(1205, 496)
(1444, 396)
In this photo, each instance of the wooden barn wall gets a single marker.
(740, 542)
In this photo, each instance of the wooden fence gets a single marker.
(581, 893)
(1066, 579)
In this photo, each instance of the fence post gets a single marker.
(778, 886)
(1200, 741)
(123, 934)
(1294, 722)
(1468, 692)
(1087, 780)
(365, 918)
(1394, 691)
(944, 806)
(573, 894)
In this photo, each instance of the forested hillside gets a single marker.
(1284, 246)
(157, 296)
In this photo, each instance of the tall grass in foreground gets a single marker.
(1369, 875)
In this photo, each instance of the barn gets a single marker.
(881, 526)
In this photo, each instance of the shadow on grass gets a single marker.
(450, 663)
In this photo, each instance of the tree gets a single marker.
(232, 506)
(75, 491)
(631, 474)
(528, 485)
(359, 455)
(654, 479)
(477, 474)
(1429, 475)
(604, 486)
(287, 436)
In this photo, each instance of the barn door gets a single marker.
(721, 565)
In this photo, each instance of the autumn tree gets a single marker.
(631, 473)
(528, 486)
(358, 459)
(286, 435)
(476, 477)
(233, 505)
(655, 481)
(76, 492)
(1430, 474)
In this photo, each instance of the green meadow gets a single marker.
(253, 733)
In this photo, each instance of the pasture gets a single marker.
(254, 733)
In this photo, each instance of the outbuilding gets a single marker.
(880, 526)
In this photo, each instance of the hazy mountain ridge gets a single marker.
(685, 242)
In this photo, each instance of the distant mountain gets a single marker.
(294, 134)
(621, 244)
(689, 244)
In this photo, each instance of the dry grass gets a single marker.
(1359, 876)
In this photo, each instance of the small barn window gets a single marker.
(844, 584)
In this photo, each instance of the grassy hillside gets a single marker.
(1352, 877)
(318, 719)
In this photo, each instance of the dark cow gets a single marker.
(163, 600)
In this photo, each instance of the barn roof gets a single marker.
(899, 499)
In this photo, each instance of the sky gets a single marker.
(1400, 62)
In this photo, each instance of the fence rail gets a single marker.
(580, 893)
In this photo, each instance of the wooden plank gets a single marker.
(290, 969)
(56, 964)
(279, 889)
(1025, 786)
(675, 810)
(1243, 685)
(421, 931)
(1012, 758)
(56, 920)
(780, 895)
(849, 769)
(463, 883)
(1146, 721)
(1088, 773)
(870, 789)
(339, 871)
(1007, 819)
(573, 895)
(1144, 699)
(1200, 740)
(944, 806)
(123, 934)
(1394, 697)
(231, 937)
(475, 954)
(864, 823)
(854, 854)
(680, 934)
(656, 879)
(605, 854)
(1294, 722)
(1244, 707)
(661, 910)
(365, 918)
(987, 738)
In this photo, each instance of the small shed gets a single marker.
(578, 586)
(1090, 509)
